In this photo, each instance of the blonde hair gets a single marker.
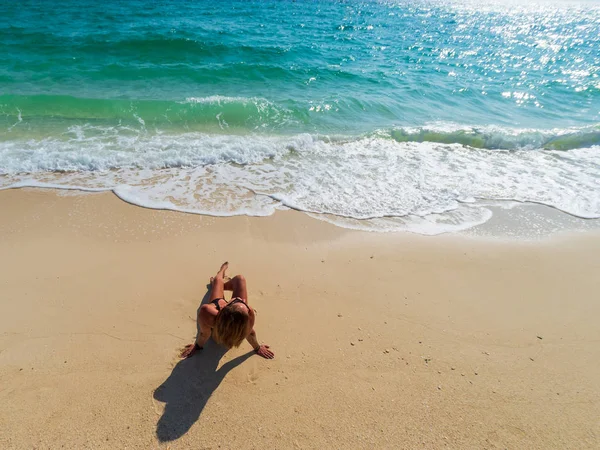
(231, 327)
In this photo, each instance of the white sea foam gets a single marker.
(460, 219)
(92, 148)
(219, 99)
(367, 183)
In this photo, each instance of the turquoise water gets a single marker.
(363, 110)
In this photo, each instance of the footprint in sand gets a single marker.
(252, 376)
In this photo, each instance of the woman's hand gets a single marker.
(264, 351)
(189, 350)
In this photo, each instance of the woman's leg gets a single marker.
(218, 283)
(238, 285)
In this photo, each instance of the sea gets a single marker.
(413, 115)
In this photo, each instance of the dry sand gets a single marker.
(381, 340)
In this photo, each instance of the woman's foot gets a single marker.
(221, 272)
(224, 268)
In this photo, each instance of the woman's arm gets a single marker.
(262, 350)
(202, 337)
(190, 349)
(205, 325)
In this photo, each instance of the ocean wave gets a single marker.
(429, 186)
(97, 148)
(245, 114)
(221, 111)
(498, 138)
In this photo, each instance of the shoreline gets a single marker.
(508, 220)
(381, 340)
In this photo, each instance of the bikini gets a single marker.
(236, 300)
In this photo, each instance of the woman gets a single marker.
(229, 322)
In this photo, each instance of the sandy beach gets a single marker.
(382, 340)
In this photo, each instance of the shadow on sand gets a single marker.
(188, 388)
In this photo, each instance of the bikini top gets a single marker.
(233, 300)
(216, 303)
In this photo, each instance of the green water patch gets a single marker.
(472, 139)
(239, 112)
(503, 139)
(574, 140)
